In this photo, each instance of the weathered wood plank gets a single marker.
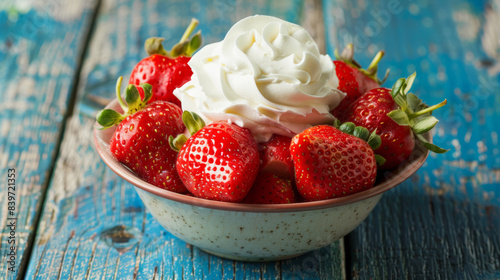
(442, 223)
(89, 207)
(40, 49)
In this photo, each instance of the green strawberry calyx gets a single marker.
(132, 103)
(193, 123)
(373, 139)
(414, 112)
(347, 56)
(186, 46)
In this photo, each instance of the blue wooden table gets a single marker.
(65, 215)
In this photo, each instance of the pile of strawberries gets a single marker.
(376, 130)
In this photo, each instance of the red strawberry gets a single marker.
(396, 116)
(353, 80)
(270, 189)
(330, 163)
(275, 156)
(166, 70)
(164, 74)
(219, 162)
(141, 139)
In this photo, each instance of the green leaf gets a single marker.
(374, 140)
(379, 159)
(414, 103)
(154, 45)
(361, 132)
(148, 92)
(431, 147)
(194, 43)
(192, 121)
(401, 101)
(347, 127)
(424, 124)
(396, 88)
(400, 117)
(179, 49)
(108, 117)
(409, 82)
(132, 95)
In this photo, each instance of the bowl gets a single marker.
(251, 232)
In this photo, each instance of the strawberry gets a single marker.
(140, 141)
(275, 156)
(397, 116)
(270, 189)
(166, 70)
(353, 80)
(219, 162)
(331, 163)
(164, 74)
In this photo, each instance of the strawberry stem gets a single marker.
(119, 96)
(412, 111)
(374, 64)
(185, 46)
(347, 56)
(372, 69)
(189, 30)
(109, 117)
(427, 110)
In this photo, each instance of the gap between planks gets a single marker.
(71, 104)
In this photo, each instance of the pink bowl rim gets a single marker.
(395, 176)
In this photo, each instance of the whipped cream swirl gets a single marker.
(266, 75)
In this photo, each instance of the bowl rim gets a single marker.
(393, 178)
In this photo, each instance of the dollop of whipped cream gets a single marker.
(266, 75)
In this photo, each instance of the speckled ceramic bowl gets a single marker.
(256, 232)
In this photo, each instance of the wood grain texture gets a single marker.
(40, 48)
(94, 225)
(444, 222)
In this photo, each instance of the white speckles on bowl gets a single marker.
(257, 232)
(256, 236)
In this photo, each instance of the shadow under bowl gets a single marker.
(252, 232)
